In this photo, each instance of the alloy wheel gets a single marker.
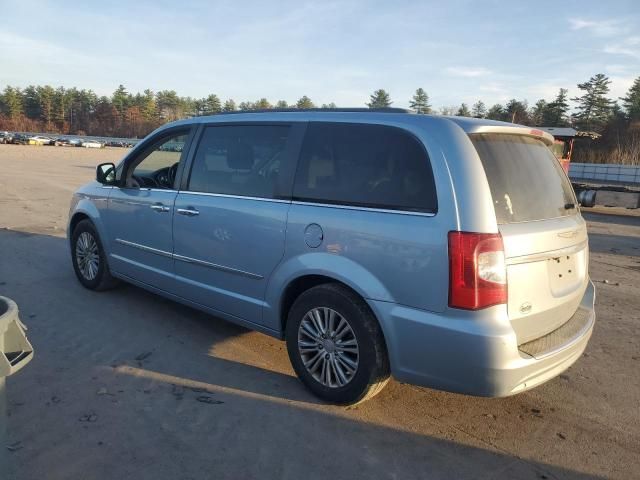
(87, 255)
(328, 347)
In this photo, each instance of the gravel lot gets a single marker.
(128, 385)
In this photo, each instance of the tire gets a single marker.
(312, 311)
(96, 276)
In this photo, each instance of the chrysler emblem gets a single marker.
(525, 308)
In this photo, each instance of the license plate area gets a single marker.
(566, 273)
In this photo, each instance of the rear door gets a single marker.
(231, 215)
(545, 237)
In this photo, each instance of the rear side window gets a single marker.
(526, 180)
(243, 160)
(364, 165)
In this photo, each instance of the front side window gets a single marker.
(157, 168)
(365, 165)
(243, 160)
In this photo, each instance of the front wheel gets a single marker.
(336, 345)
(89, 258)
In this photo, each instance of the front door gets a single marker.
(139, 217)
(230, 219)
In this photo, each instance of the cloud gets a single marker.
(468, 71)
(601, 28)
(629, 46)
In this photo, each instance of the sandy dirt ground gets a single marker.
(127, 385)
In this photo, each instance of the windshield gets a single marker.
(526, 181)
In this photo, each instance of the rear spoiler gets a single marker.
(546, 137)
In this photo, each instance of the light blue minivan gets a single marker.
(448, 252)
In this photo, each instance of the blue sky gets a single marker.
(458, 51)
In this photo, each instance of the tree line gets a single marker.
(125, 114)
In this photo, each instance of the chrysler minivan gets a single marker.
(446, 252)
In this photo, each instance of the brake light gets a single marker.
(477, 271)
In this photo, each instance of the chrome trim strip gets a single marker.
(148, 189)
(144, 248)
(539, 257)
(366, 209)
(242, 197)
(215, 266)
(185, 259)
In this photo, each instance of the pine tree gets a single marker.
(479, 110)
(262, 104)
(536, 116)
(329, 105)
(516, 111)
(496, 112)
(229, 106)
(11, 102)
(212, 105)
(148, 105)
(594, 108)
(379, 99)
(305, 102)
(121, 100)
(45, 98)
(463, 111)
(420, 102)
(282, 104)
(631, 102)
(555, 115)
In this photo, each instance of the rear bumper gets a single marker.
(477, 353)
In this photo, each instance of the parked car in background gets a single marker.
(19, 139)
(40, 140)
(6, 137)
(91, 144)
(448, 252)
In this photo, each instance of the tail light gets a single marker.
(477, 272)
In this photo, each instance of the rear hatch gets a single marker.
(544, 235)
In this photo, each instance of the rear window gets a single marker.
(526, 180)
(365, 165)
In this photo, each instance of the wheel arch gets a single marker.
(300, 284)
(86, 210)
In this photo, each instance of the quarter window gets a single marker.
(365, 165)
(243, 160)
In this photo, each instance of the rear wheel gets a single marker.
(89, 259)
(336, 345)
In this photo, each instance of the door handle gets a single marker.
(189, 211)
(158, 207)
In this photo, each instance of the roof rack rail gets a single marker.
(293, 110)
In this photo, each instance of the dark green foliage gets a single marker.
(379, 99)
(420, 102)
(594, 108)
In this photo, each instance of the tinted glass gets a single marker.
(526, 180)
(240, 160)
(365, 165)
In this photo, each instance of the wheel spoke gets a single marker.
(331, 322)
(317, 321)
(340, 376)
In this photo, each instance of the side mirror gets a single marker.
(106, 173)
